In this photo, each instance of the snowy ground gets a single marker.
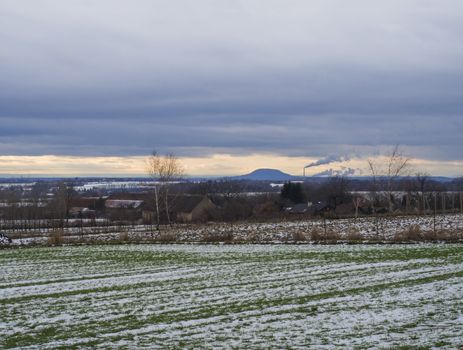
(367, 228)
(232, 296)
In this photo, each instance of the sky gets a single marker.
(92, 87)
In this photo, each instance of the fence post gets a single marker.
(435, 210)
(324, 223)
(443, 202)
(407, 203)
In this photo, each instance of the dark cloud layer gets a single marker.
(289, 77)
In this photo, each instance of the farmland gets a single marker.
(385, 229)
(233, 296)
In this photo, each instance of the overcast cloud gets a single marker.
(294, 78)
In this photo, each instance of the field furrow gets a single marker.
(224, 296)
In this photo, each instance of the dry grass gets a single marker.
(253, 237)
(299, 236)
(415, 234)
(56, 237)
(324, 236)
(165, 237)
(218, 237)
(444, 236)
(354, 236)
(124, 236)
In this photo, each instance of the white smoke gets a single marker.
(328, 160)
(335, 172)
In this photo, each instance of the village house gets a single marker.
(183, 208)
(193, 208)
(124, 209)
(313, 209)
(81, 213)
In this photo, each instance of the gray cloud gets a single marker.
(289, 77)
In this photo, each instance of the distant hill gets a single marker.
(278, 175)
(267, 174)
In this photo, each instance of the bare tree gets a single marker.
(422, 181)
(63, 197)
(374, 189)
(336, 191)
(396, 165)
(357, 201)
(164, 169)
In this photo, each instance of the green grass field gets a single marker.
(232, 296)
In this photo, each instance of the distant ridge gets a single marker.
(267, 174)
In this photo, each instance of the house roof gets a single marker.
(144, 196)
(186, 203)
(320, 206)
(89, 202)
(123, 204)
(78, 209)
(298, 209)
(181, 203)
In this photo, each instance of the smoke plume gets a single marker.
(327, 160)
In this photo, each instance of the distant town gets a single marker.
(39, 207)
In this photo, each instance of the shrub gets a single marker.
(354, 236)
(315, 235)
(56, 237)
(413, 233)
(448, 236)
(166, 237)
(319, 236)
(299, 236)
(124, 236)
(218, 237)
(253, 237)
(331, 236)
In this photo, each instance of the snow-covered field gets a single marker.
(232, 296)
(367, 228)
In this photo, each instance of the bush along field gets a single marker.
(232, 296)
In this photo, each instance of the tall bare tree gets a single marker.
(63, 197)
(163, 169)
(422, 179)
(395, 166)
